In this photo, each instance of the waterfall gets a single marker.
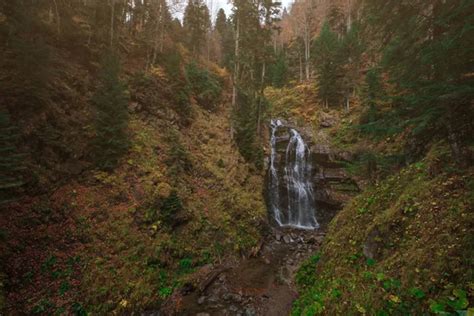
(290, 190)
(274, 183)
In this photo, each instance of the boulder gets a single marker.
(287, 239)
(277, 236)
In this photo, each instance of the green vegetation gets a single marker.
(146, 166)
(204, 85)
(329, 65)
(11, 162)
(111, 101)
(400, 258)
(249, 144)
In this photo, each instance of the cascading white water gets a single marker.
(274, 183)
(294, 177)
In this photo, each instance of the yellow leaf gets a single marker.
(123, 303)
(394, 298)
(360, 309)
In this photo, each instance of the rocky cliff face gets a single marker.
(306, 183)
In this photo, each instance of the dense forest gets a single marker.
(249, 157)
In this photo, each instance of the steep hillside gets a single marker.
(123, 240)
(403, 245)
(81, 240)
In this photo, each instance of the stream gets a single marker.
(263, 284)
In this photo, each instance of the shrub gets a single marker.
(111, 101)
(178, 157)
(10, 160)
(170, 207)
(205, 86)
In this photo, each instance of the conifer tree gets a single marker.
(328, 65)
(428, 54)
(226, 36)
(10, 159)
(111, 102)
(196, 23)
(372, 94)
(350, 54)
(221, 22)
(251, 58)
(278, 71)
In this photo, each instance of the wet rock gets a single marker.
(337, 174)
(250, 311)
(203, 314)
(277, 236)
(232, 297)
(152, 313)
(212, 299)
(201, 300)
(287, 239)
(233, 308)
(319, 239)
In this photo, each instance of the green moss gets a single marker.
(419, 229)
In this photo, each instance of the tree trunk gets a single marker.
(236, 64)
(259, 109)
(157, 35)
(58, 20)
(112, 20)
(301, 68)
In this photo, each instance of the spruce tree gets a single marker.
(328, 65)
(350, 54)
(428, 48)
(221, 22)
(10, 159)
(196, 22)
(278, 71)
(111, 102)
(226, 36)
(372, 94)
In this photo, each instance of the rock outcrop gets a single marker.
(330, 187)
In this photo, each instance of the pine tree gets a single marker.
(246, 124)
(251, 59)
(226, 36)
(278, 71)
(428, 55)
(350, 54)
(196, 23)
(328, 65)
(111, 101)
(372, 94)
(221, 22)
(10, 159)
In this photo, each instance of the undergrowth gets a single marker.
(403, 247)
